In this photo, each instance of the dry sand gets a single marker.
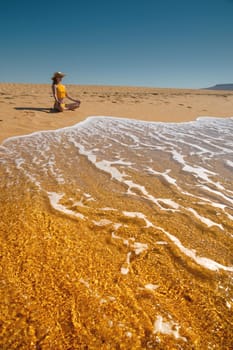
(25, 108)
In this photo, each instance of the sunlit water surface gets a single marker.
(118, 234)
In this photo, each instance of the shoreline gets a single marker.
(88, 118)
(26, 108)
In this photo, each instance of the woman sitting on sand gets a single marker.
(59, 93)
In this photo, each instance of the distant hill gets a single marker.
(221, 87)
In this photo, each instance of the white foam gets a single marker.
(139, 247)
(85, 283)
(205, 262)
(117, 225)
(116, 236)
(169, 202)
(138, 215)
(110, 323)
(151, 286)
(229, 163)
(146, 195)
(79, 203)
(107, 167)
(132, 135)
(197, 171)
(102, 222)
(54, 201)
(103, 165)
(19, 162)
(164, 174)
(108, 209)
(206, 221)
(217, 193)
(128, 334)
(166, 327)
(125, 270)
(205, 201)
(120, 147)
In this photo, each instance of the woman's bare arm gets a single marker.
(71, 98)
(54, 89)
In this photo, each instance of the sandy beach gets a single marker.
(25, 108)
(116, 233)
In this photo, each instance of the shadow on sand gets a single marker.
(38, 109)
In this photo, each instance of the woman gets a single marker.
(59, 94)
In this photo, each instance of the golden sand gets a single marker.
(61, 281)
(61, 286)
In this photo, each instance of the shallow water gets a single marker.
(118, 234)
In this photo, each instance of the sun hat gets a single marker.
(58, 75)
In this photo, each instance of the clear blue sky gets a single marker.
(160, 43)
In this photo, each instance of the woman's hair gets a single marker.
(54, 80)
